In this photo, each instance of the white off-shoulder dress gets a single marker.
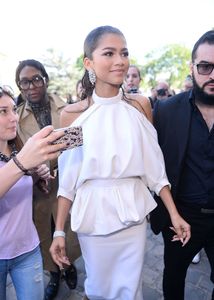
(108, 179)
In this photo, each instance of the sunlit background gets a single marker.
(29, 28)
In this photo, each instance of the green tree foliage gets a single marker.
(170, 63)
(79, 64)
(62, 73)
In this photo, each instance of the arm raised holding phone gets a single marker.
(37, 150)
(72, 137)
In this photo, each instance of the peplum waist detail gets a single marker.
(104, 206)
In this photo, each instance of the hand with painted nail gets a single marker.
(58, 253)
(182, 230)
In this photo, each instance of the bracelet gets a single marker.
(21, 167)
(58, 233)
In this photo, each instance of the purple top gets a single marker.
(18, 234)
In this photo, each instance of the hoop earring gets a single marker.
(92, 77)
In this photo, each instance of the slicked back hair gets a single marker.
(206, 38)
(90, 44)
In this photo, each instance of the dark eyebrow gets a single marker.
(26, 78)
(108, 48)
(113, 49)
(205, 62)
(6, 106)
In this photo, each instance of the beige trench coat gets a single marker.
(45, 205)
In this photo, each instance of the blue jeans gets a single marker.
(26, 272)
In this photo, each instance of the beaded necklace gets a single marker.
(5, 158)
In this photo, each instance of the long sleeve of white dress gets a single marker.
(108, 177)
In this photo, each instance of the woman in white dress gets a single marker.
(104, 183)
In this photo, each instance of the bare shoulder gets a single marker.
(71, 112)
(143, 104)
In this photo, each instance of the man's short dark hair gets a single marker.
(207, 37)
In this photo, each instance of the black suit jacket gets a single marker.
(172, 121)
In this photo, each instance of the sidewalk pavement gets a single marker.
(198, 284)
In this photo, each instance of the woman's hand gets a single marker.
(39, 148)
(57, 251)
(181, 228)
(41, 178)
(43, 172)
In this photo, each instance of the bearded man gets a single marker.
(185, 130)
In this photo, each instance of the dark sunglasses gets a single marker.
(6, 90)
(204, 68)
(37, 81)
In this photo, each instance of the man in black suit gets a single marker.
(186, 135)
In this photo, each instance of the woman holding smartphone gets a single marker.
(19, 251)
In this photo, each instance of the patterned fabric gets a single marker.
(73, 137)
(42, 113)
(5, 158)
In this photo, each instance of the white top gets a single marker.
(110, 173)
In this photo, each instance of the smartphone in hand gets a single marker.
(73, 137)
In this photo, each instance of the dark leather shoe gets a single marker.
(52, 288)
(71, 277)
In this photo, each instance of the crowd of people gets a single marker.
(141, 156)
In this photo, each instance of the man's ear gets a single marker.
(191, 67)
